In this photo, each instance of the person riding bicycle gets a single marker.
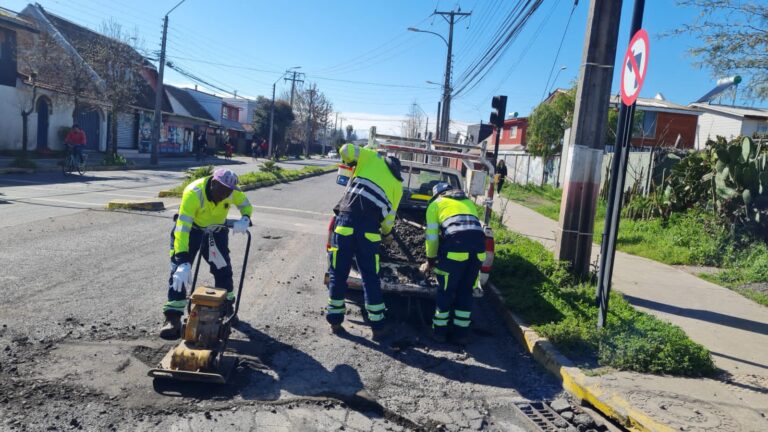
(204, 203)
(76, 141)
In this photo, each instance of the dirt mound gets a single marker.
(408, 245)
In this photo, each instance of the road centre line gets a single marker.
(292, 210)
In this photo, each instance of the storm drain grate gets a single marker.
(542, 417)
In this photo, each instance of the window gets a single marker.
(7, 58)
(513, 132)
(762, 128)
(647, 126)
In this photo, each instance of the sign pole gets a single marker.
(620, 158)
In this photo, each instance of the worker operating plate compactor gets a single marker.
(201, 355)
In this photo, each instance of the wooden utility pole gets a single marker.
(582, 176)
(157, 120)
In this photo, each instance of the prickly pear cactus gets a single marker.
(741, 181)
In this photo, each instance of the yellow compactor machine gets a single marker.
(201, 355)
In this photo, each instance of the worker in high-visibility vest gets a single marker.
(455, 246)
(363, 216)
(205, 202)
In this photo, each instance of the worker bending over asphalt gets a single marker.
(205, 202)
(455, 252)
(365, 213)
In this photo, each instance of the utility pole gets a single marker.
(153, 160)
(271, 121)
(616, 188)
(309, 120)
(449, 17)
(293, 81)
(582, 176)
(437, 122)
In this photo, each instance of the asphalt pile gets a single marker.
(408, 245)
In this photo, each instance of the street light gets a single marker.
(272, 109)
(153, 159)
(444, 118)
(554, 81)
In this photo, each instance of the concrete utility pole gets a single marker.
(450, 17)
(582, 176)
(309, 121)
(437, 121)
(293, 81)
(153, 159)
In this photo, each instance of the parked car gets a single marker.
(333, 154)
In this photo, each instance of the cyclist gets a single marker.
(75, 141)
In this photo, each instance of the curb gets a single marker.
(573, 380)
(14, 170)
(145, 205)
(129, 167)
(252, 186)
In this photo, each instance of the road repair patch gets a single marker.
(144, 205)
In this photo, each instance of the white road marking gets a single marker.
(292, 210)
(29, 201)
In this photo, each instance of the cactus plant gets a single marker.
(741, 181)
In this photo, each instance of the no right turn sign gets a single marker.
(634, 67)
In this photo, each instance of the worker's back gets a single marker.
(456, 217)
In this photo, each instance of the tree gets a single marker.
(732, 39)
(119, 65)
(283, 119)
(351, 135)
(547, 124)
(313, 113)
(414, 123)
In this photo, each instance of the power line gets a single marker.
(557, 54)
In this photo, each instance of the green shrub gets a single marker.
(114, 159)
(270, 167)
(562, 308)
(193, 174)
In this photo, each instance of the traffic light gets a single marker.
(499, 104)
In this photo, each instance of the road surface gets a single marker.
(83, 290)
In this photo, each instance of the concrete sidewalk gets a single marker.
(733, 328)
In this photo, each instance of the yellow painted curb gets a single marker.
(146, 205)
(573, 379)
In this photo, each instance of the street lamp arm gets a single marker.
(177, 5)
(414, 29)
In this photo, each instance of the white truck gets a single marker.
(424, 164)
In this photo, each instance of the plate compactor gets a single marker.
(200, 356)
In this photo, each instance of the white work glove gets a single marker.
(241, 226)
(181, 277)
(425, 268)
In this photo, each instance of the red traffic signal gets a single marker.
(499, 105)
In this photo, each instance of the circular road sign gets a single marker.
(634, 67)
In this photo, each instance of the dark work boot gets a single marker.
(440, 334)
(460, 336)
(171, 329)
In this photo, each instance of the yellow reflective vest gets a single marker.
(373, 181)
(457, 213)
(198, 210)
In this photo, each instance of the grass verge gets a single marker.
(561, 308)
(251, 180)
(691, 238)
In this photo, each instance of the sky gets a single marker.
(362, 57)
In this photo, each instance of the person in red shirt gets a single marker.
(76, 140)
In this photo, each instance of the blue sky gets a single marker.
(247, 44)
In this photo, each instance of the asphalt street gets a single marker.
(83, 291)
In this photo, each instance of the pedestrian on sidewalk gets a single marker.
(76, 141)
(201, 144)
(205, 202)
(264, 148)
(254, 148)
(501, 175)
(455, 252)
(228, 149)
(365, 213)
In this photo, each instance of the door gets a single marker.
(43, 117)
(88, 118)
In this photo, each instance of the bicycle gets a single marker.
(70, 163)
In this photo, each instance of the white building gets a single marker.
(729, 122)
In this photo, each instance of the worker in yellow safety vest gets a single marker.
(455, 244)
(205, 203)
(365, 213)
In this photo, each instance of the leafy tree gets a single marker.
(732, 38)
(283, 119)
(547, 124)
(313, 112)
